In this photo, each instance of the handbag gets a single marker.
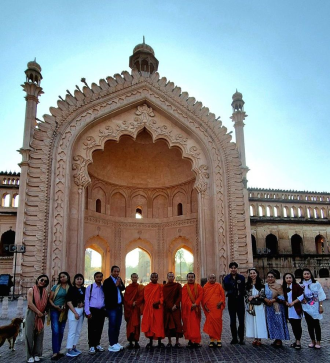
(256, 301)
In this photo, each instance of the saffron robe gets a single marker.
(172, 292)
(153, 320)
(132, 314)
(192, 318)
(212, 295)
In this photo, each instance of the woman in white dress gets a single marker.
(255, 320)
(312, 306)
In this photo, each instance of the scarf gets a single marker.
(64, 313)
(276, 290)
(192, 298)
(40, 301)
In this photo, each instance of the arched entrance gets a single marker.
(93, 263)
(97, 253)
(138, 261)
(184, 263)
(73, 172)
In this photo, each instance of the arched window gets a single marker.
(98, 207)
(251, 211)
(320, 244)
(138, 213)
(272, 244)
(298, 273)
(268, 211)
(254, 244)
(261, 212)
(15, 201)
(296, 245)
(275, 211)
(180, 209)
(324, 272)
(6, 200)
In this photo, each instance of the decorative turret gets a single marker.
(238, 117)
(143, 58)
(33, 90)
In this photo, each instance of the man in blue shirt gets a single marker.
(113, 298)
(234, 285)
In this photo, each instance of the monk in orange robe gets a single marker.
(192, 295)
(213, 304)
(133, 300)
(172, 292)
(153, 319)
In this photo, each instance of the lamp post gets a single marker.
(16, 249)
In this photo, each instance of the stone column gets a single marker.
(33, 91)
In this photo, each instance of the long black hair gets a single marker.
(38, 278)
(302, 275)
(259, 283)
(67, 275)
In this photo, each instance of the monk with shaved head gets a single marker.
(192, 295)
(172, 292)
(153, 320)
(213, 304)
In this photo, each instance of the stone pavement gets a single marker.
(228, 353)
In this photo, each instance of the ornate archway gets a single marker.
(124, 105)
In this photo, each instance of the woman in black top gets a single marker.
(75, 301)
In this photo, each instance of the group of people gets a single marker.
(269, 306)
(172, 311)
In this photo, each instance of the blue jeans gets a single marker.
(114, 316)
(57, 330)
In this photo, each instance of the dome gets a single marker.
(237, 96)
(33, 65)
(143, 47)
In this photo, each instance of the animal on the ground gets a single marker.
(10, 332)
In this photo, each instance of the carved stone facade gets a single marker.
(67, 166)
(136, 142)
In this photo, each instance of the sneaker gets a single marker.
(77, 350)
(92, 350)
(72, 353)
(31, 360)
(37, 359)
(119, 346)
(99, 348)
(113, 348)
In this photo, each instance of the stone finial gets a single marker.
(238, 103)
(143, 58)
(33, 72)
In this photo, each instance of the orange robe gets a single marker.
(213, 294)
(172, 292)
(133, 292)
(152, 320)
(192, 318)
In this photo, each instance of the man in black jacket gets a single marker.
(234, 285)
(113, 298)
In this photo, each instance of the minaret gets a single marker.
(143, 58)
(238, 118)
(33, 90)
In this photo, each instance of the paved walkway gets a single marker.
(228, 353)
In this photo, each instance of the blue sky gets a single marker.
(276, 53)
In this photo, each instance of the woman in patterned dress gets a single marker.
(275, 312)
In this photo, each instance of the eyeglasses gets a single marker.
(43, 280)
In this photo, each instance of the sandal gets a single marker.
(293, 345)
(212, 345)
(177, 345)
(298, 346)
(219, 344)
(317, 346)
(161, 345)
(169, 345)
(258, 343)
(311, 345)
(149, 346)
